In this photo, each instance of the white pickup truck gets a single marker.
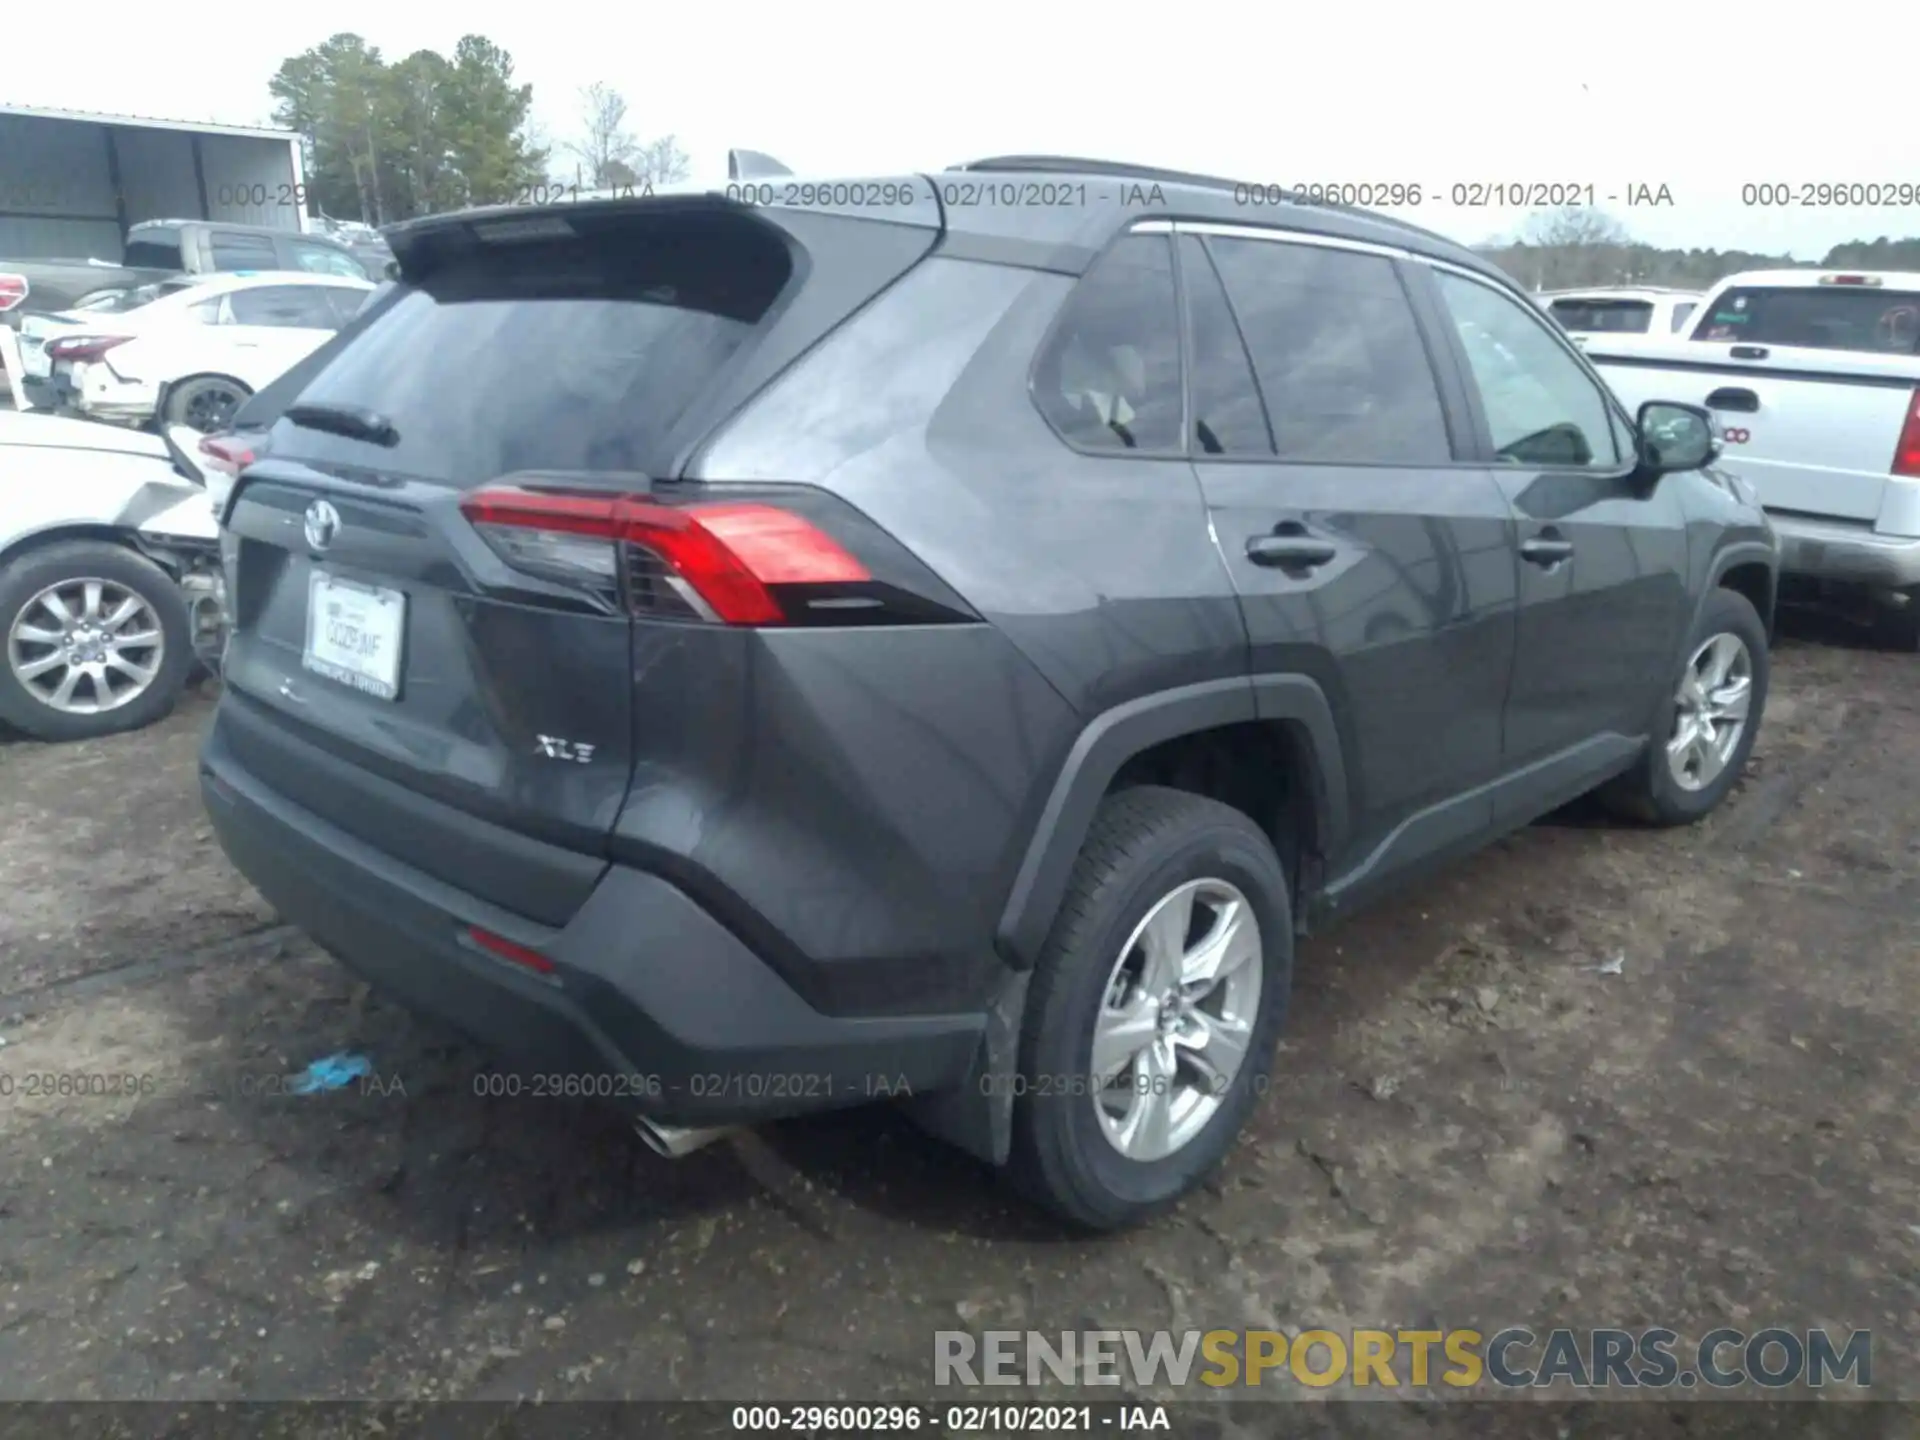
(1814, 380)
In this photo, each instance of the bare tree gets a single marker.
(1574, 225)
(660, 162)
(605, 142)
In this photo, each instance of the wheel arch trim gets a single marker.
(1115, 736)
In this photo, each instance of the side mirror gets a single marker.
(1675, 437)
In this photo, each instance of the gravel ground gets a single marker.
(1477, 1124)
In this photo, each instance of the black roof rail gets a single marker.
(1123, 170)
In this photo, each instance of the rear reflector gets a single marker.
(508, 950)
(719, 558)
(1906, 455)
(13, 290)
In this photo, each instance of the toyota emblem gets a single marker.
(323, 523)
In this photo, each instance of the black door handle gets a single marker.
(1301, 550)
(1546, 553)
(1734, 398)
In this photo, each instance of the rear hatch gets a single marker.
(403, 634)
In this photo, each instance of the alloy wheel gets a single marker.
(1715, 694)
(1176, 1019)
(86, 645)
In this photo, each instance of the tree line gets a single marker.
(1563, 249)
(388, 140)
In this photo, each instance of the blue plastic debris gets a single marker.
(334, 1072)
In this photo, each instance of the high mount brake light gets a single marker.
(720, 558)
(13, 290)
(1906, 454)
(84, 347)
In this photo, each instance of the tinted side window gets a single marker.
(1337, 353)
(302, 307)
(237, 250)
(1109, 378)
(1605, 317)
(1541, 407)
(153, 247)
(1228, 418)
(323, 260)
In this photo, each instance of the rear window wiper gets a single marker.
(353, 421)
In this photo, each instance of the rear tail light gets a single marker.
(1906, 454)
(13, 291)
(226, 455)
(728, 563)
(84, 347)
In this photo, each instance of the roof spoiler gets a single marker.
(753, 165)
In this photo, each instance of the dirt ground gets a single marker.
(1477, 1124)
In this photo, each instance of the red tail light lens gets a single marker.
(1906, 455)
(84, 347)
(719, 559)
(227, 456)
(510, 950)
(13, 291)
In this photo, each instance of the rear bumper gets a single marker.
(1847, 552)
(653, 1003)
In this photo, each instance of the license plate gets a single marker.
(354, 633)
(33, 357)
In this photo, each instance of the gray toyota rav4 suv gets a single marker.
(942, 638)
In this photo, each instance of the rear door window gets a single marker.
(1337, 352)
(578, 354)
(1604, 317)
(1109, 376)
(238, 250)
(153, 247)
(287, 307)
(1867, 318)
(1228, 418)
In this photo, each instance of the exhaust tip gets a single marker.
(677, 1141)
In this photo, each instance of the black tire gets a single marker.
(1649, 792)
(1143, 844)
(203, 391)
(29, 574)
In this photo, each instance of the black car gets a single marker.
(942, 640)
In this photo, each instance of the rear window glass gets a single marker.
(574, 355)
(153, 249)
(1606, 317)
(1829, 317)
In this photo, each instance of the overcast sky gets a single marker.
(1333, 93)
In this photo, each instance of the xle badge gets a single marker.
(552, 747)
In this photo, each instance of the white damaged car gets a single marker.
(189, 351)
(110, 585)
